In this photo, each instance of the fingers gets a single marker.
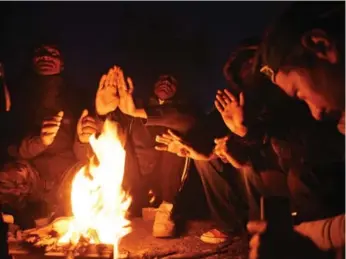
(115, 78)
(220, 140)
(167, 136)
(241, 99)
(50, 129)
(102, 82)
(218, 106)
(120, 79)
(111, 78)
(257, 227)
(88, 123)
(161, 148)
(55, 120)
(230, 95)
(60, 114)
(220, 100)
(89, 127)
(163, 140)
(173, 135)
(85, 113)
(130, 83)
(108, 77)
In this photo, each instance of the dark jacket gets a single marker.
(41, 97)
(141, 133)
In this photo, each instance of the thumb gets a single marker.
(85, 113)
(130, 83)
(257, 227)
(60, 114)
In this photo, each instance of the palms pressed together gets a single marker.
(114, 92)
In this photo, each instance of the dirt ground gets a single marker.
(187, 246)
(141, 244)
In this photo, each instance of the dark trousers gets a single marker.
(310, 195)
(224, 194)
(168, 176)
(164, 182)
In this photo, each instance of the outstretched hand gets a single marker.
(232, 111)
(172, 143)
(50, 128)
(107, 96)
(126, 88)
(86, 127)
(221, 151)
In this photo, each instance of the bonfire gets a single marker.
(99, 204)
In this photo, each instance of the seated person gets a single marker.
(260, 176)
(310, 66)
(145, 168)
(46, 115)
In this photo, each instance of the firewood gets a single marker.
(150, 254)
(221, 249)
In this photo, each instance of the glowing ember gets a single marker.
(99, 203)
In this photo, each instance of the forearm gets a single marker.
(236, 163)
(202, 157)
(170, 118)
(82, 151)
(327, 233)
(31, 147)
(241, 131)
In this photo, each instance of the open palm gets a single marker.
(125, 88)
(232, 111)
(107, 97)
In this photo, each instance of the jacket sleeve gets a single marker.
(170, 117)
(326, 233)
(82, 151)
(30, 147)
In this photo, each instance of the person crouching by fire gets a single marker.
(146, 168)
(46, 117)
(309, 65)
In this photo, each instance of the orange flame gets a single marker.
(99, 203)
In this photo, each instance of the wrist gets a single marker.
(140, 113)
(42, 140)
(81, 140)
(241, 131)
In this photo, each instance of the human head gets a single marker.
(47, 60)
(303, 54)
(260, 93)
(238, 68)
(165, 87)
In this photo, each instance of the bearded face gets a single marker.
(165, 87)
(47, 60)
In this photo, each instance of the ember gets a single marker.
(99, 203)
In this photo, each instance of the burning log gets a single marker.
(98, 201)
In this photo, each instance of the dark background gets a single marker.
(191, 40)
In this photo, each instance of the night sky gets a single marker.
(191, 40)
